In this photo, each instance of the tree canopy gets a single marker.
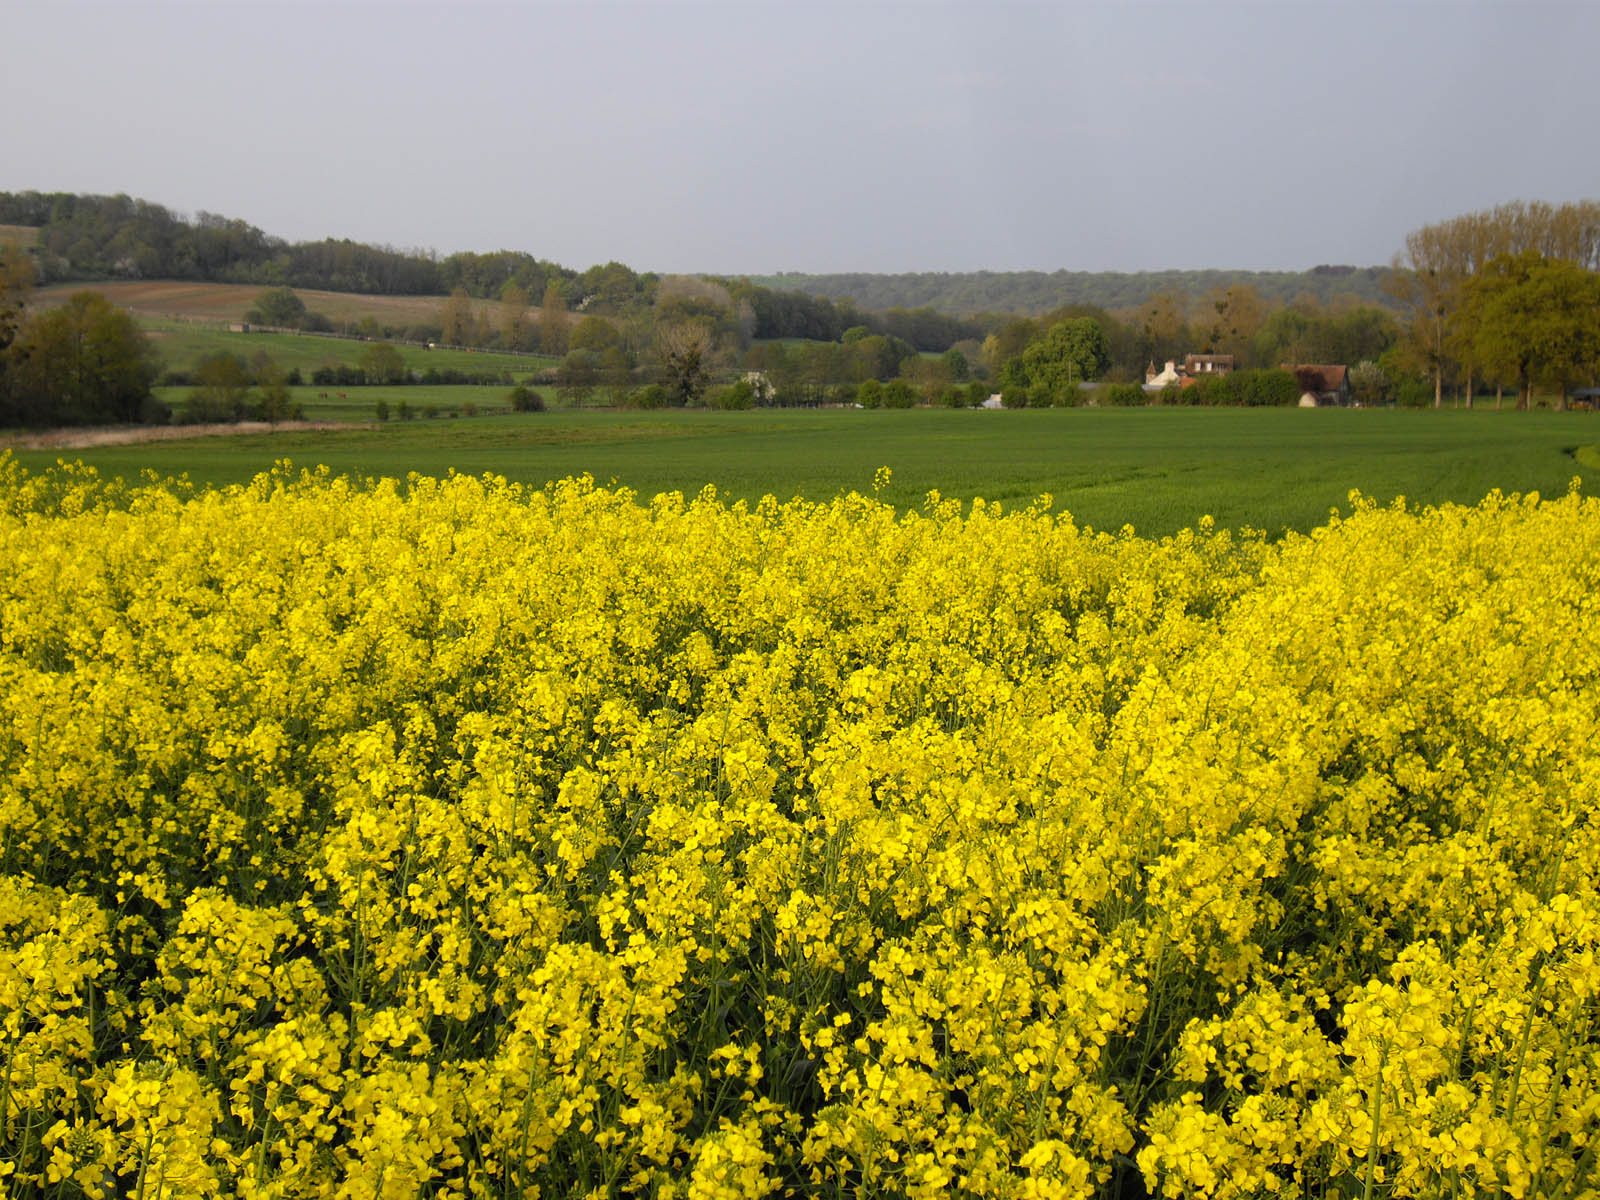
(86, 362)
(1534, 318)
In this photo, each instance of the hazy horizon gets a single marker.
(815, 138)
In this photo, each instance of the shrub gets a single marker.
(738, 395)
(1123, 395)
(897, 393)
(651, 396)
(1275, 388)
(525, 399)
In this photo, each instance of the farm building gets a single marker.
(1207, 364)
(1322, 384)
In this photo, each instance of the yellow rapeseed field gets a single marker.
(447, 838)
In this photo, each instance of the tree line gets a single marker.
(1507, 296)
(1034, 293)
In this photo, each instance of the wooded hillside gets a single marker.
(1035, 292)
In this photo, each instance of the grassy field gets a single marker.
(182, 346)
(1155, 469)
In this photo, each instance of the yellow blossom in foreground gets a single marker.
(450, 838)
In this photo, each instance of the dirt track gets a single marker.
(125, 435)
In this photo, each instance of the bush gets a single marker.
(525, 399)
(897, 393)
(870, 394)
(736, 396)
(1412, 392)
(1270, 389)
(651, 396)
(338, 375)
(1216, 391)
(383, 410)
(1123, 395)
(155, 411)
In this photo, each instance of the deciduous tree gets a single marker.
(457, 325)
(1536, 318)
(280, 306)
(553, 322)
(684, 350)
(513, 316)
(382, 363)
(84, 362)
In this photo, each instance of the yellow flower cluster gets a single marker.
(448, 838)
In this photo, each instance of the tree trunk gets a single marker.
(1469, 387)
(1438, 388)
(1499, 393)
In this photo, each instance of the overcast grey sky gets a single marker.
(766, 136)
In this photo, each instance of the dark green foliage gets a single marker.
(101, 237)
(525, 399)
(738, 395)
(83, 363)
(1048, 371)
(1215, 390)
(1123, 395)
(897, 393)
(1271, 388)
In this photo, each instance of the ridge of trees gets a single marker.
(1034, 293)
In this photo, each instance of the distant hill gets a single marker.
(971, 292)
